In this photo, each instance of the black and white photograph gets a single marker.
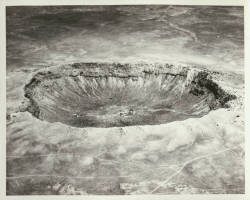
(135, 99)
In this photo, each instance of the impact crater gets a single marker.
(114, 95)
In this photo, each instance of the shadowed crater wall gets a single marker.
(108, 95)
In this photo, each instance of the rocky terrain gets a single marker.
(125, 100)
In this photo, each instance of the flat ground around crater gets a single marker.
(196, 155)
